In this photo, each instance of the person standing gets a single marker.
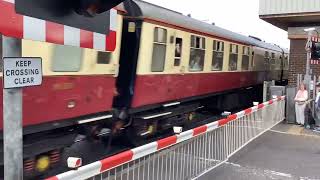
(317, 110)
(300, 105)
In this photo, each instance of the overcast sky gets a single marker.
(241, 16)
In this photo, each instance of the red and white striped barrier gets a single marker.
(315, 39)
(25, 27)
(136, 153)
(315, 62)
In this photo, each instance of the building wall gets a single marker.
(272, 7)
(297, 59)
(298, 56)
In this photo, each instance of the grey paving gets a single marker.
(287, 152)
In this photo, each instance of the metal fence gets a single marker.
(189, 154)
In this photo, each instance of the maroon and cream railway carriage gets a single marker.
(80, 69)
(172, 64)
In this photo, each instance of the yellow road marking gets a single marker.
(295, 130)
(296, 134)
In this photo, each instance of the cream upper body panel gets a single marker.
(147, 47)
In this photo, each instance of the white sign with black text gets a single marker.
(22, 72)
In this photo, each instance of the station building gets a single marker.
(294, 16)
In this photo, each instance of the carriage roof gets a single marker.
(155, 12)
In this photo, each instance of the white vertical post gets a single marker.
(12, 119)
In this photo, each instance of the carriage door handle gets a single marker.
(115, 70)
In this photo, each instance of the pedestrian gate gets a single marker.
(187, 155)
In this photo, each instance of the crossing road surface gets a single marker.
(287, 152)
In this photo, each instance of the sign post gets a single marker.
(12, 119)
(18, 72)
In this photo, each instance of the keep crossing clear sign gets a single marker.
(22, 72)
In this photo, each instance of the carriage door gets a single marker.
(177, 62)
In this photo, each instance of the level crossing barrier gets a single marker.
(189, 154)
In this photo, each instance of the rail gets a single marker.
(189, 154)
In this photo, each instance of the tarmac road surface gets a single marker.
(287, 152)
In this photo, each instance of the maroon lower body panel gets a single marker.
(63, 97)
(153, 89)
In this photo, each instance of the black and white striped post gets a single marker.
(309, 47)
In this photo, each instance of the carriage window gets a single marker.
(266, 59)
(245, 58)
(217, 58)
(233, 57)
(252, 59)
(178, 52)
(198, 39)
(159, 50)
(103, 57)
(273, 58)
(266, 56)
(203, 41)
(197, 53)
(193, 43)
(286, 62)
(66, 58)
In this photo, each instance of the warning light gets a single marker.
(315, 51)
(42, 163)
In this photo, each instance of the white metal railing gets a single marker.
(187, 155)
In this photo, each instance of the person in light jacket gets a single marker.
(301, 102)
